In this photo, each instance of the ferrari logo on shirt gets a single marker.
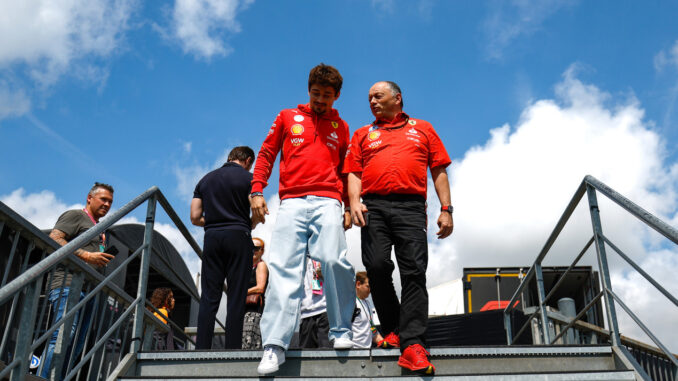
(297, 129)
(412, 122)
(373, 135)
(335, 124)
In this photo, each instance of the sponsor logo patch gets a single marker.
(374, 145)
(298, 118)
(271, 131)
(412, 131)
(334, 135)
(335, 124)
(297, 129)
(373, 135)
(412, 122)
(296, 141)
(332, 146)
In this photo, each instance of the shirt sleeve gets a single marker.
(437, 154)
(267, 154)
(354, 157)
(343, 150)
(69, 223)
(197, 193)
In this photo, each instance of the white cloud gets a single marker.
(510, 192)
(509, 20)
(667, 58)
(50, 36)
(42, 209)
(13, 101)
(201, 26)
(188, 176)
(46, 40)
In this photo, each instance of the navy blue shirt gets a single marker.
(225, 197)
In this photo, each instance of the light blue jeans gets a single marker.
(315, 225)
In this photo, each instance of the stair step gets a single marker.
(529, 361)
(621, 375)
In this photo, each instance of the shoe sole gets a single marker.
(428, 370)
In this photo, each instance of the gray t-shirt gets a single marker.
(73, 223)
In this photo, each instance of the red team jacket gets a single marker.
(313, 149)
(395, 160)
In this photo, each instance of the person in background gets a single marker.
(364, 332)
(314, 328)
(163, 299)
(251, 332)
(221, 204)
(70, 225)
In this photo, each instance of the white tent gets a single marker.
(446, 298)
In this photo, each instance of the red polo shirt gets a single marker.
(394, 156)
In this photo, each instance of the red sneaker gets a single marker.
(415, 358)
(390, 341)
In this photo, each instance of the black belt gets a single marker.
(394, 197)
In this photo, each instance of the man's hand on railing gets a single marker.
(94, 258)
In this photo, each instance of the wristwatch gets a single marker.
(254, 194)
(447, 208)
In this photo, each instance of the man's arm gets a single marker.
(197, 216)
(442, 185)
(93, 258)
(262, 277)
(262, 169)
(357, 208)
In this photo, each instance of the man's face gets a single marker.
(100, 203)
(322, 98)
(383, 103)
(362, 290)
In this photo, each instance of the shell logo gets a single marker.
(412, 122)
(335, 124)
(373, 135)
(297, 129)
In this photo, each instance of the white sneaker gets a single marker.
(273, 357)
(343, 343)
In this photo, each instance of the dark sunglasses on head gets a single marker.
(258, 248)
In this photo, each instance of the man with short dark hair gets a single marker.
(313, 140)
(221, 205)
(387, 166)
(71, 224)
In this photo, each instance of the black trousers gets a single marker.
(398, 221)
(314, 332)
(227, 254)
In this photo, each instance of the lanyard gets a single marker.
(366, 308)
(102, 236)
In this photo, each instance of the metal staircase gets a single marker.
(469, 363)
(120, 348)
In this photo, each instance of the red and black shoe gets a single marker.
(390, 341)
(415, 358)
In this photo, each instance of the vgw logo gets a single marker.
(296, 141)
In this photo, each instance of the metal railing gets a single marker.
(106, 322)
(590, 186)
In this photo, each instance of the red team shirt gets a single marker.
(394, 159)
(313, 149)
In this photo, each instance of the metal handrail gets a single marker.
(590, 185)
(33, 276)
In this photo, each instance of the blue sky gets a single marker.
(155, 93)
